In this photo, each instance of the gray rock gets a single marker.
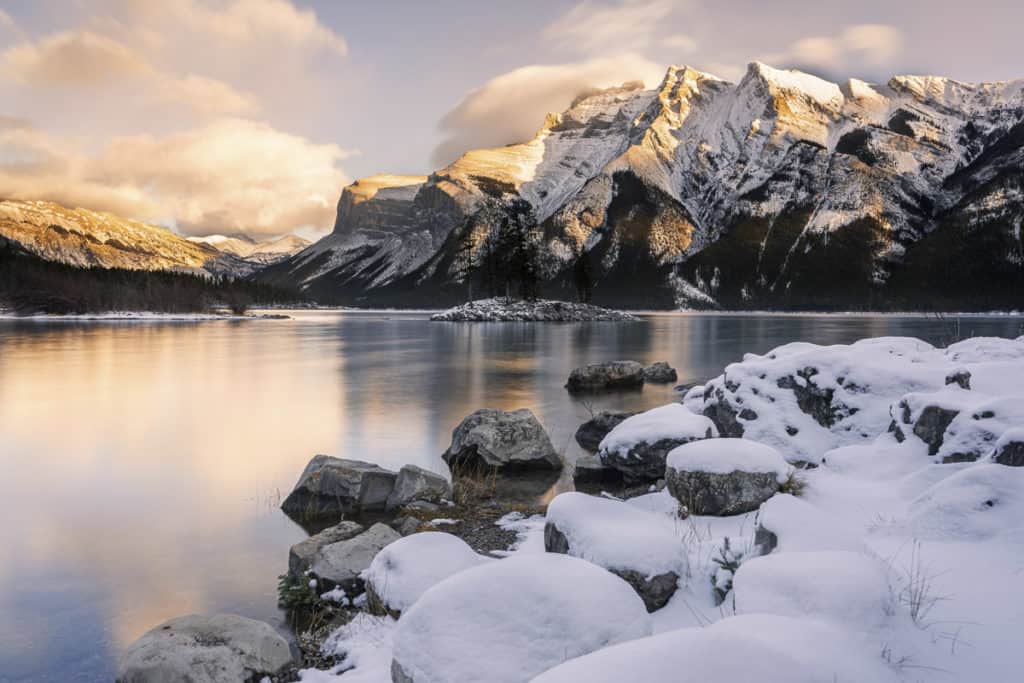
(619, 374)
(301, 554)
(340, 564)
(417, 484)
(331, 487)
(812, 399)
(721, 495)
(960, 377)
(654, 590)
(501, 440)
(931, 426)
(406, 526)
(660, 373)
(220, 648)
(590, 469)
(590, 433)
(644, 461)
(1010, 453)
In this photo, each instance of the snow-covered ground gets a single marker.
(890, 565)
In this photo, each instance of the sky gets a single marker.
(228, 116)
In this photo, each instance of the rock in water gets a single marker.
(634, 544)
(590, 433)
(501, 440)
(417, 484)
(341, 564)
(638, 446)
(331, 487)
(500, 310)
(507, 621)
(618, 374)
(724, 477)
(221, 648)
(301, 554)
(660, 373)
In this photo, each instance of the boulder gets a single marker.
(660, 373)
(591, 432)
(331, 487)
(341, 564)
(220, 648)
(589, 469)
(501, 440)
(619, 374)
(406, 526)
(638, 446)
(509, 620)
(639, 546)
(724, 477)
(417, 484)
(404, 570)
(1009, 449)
(301, 554)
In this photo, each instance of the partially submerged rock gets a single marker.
(590, 469)
(501, 440)
(660, 373)
(340, 565)
(302, 553)
(205, 649)
(638, 446)
(415, 484)
(618, 374)
(331, 487)
(405, 569)
(591, 432)
(724, 477)
(509, 620)
(639, 546)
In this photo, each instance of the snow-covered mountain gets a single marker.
(780, 190)
(82, 237)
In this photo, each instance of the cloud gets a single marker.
(679, 43)
(511, 107)
(871, 46)
(232, 175)
(206, 96)
(72, 58)
(592, 27)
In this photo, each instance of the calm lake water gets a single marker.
(142, 464)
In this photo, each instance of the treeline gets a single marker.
(30, 285)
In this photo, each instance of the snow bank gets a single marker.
(799, 526)
(979, 502)
(616, 535)
(514, 618)
(761, 648)
(835, 584)
(401, 572)
(673, 421)
(722, 456)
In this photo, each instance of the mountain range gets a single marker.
(783, 190)
(84, 238)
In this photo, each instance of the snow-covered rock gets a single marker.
(341, 564)
(979, 502)
(618, 374)
(786, 523)
(417, 484)
(642, 548)
(846, 586)
(754, 647)
(502, 310)
(724, 476)
(302, 553)
(638, 446)
(402, 571)
(590, 434)
(205, 649)
(331, 487)
(502, 440)
(509, 620)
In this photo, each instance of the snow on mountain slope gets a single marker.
(85, 238)
(782, 190)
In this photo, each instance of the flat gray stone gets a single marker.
(340, 564)
(219, 648)
(301, 554)
(618, 374)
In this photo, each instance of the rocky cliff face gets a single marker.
(782, 190)
(84, 238)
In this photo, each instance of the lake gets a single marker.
(142, 463)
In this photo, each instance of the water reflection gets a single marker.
(142, 464)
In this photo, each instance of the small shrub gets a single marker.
(295, 594)
(728, 561)
(795, 485)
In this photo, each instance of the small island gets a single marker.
(500, 309)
